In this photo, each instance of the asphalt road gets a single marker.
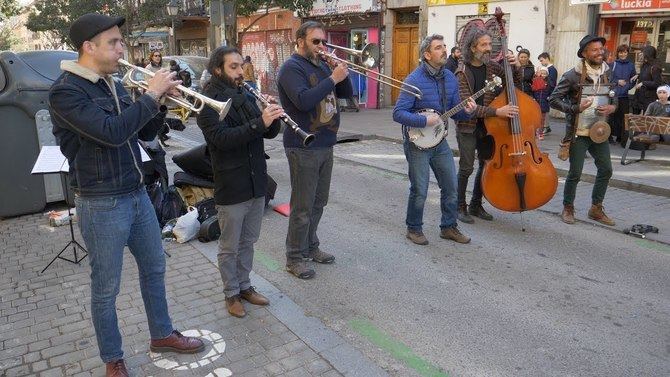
(555, 300)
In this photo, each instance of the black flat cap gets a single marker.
(586, 40)
(89, 25)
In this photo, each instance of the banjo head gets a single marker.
(429, 136)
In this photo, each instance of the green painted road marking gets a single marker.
(266, 261)
(653, 246)
(396, 348)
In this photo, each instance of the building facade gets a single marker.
(638, 24)
(352, 24)
(269, 39)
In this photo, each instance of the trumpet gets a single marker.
(200, 100)
(306, 138)
(369, 60)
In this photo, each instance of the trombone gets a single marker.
(369, 60)
(199, 100)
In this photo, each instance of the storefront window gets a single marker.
(636, 34)
(663, 45)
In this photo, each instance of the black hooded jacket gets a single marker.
(650, 77)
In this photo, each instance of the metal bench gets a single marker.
(643, 129)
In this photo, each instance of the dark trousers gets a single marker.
(601, 155)
(616, 118)
(310, 171)
(468, 144)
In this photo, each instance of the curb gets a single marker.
(590, 178)
(346, 359)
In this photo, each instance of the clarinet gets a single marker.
(306, 138)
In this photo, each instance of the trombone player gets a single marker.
(97, 126)
(308, 90)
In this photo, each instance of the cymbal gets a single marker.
(599, 132)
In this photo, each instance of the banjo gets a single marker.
(431, 136)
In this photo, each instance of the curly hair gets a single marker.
(470, 41)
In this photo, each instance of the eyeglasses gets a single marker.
(317, 41)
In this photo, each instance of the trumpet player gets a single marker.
(240, 177)
(308, 90)
(97, 126)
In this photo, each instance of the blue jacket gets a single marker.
(435, 96)
(622, 70)
(98, 139)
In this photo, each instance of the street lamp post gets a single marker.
(172, 11)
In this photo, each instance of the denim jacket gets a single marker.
(97, 125)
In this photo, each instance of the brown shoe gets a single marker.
(116, 369)
(235, 307)
(596, 213)
(178, 343)
(319, 256)
(417, 237)
(568, 214)
(453, 233)
(300, 269)
(254, 297)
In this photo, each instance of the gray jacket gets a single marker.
(566, 98)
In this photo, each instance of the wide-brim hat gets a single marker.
(89, 25)
(586, 40)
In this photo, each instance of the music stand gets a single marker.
(50, 161)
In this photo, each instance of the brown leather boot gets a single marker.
(596, 213)
(178, 343)
(116, 369)
(254, 297)
(235, 307)
(568, 214)
(417, 237)
(453, 233)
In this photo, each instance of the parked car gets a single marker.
(195, 65)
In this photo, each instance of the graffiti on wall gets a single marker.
(268, 51)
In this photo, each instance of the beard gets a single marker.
(483, 57)
(231, 81)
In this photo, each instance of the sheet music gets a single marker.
(50, 160)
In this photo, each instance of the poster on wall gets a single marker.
(638, 37)
(624, 39)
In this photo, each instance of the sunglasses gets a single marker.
(156, 56)
(317, 41)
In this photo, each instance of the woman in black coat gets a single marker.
(648, 80)
(527, 71)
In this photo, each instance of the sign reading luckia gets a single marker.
(325, 7)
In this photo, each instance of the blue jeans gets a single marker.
(441, 160)
(107, 225)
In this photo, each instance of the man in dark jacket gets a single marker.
(476, 69)
(308, 90)
(568, 97)
(545, 61)
(440, 93)
(452, 60)
(97, 127)
(240, 174)
(622, 74)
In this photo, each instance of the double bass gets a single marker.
(518, 176)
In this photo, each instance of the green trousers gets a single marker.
(601, 155)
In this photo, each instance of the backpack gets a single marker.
(538, 84)
(185, 78)
(172, 205)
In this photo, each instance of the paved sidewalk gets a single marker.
(46, 330)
